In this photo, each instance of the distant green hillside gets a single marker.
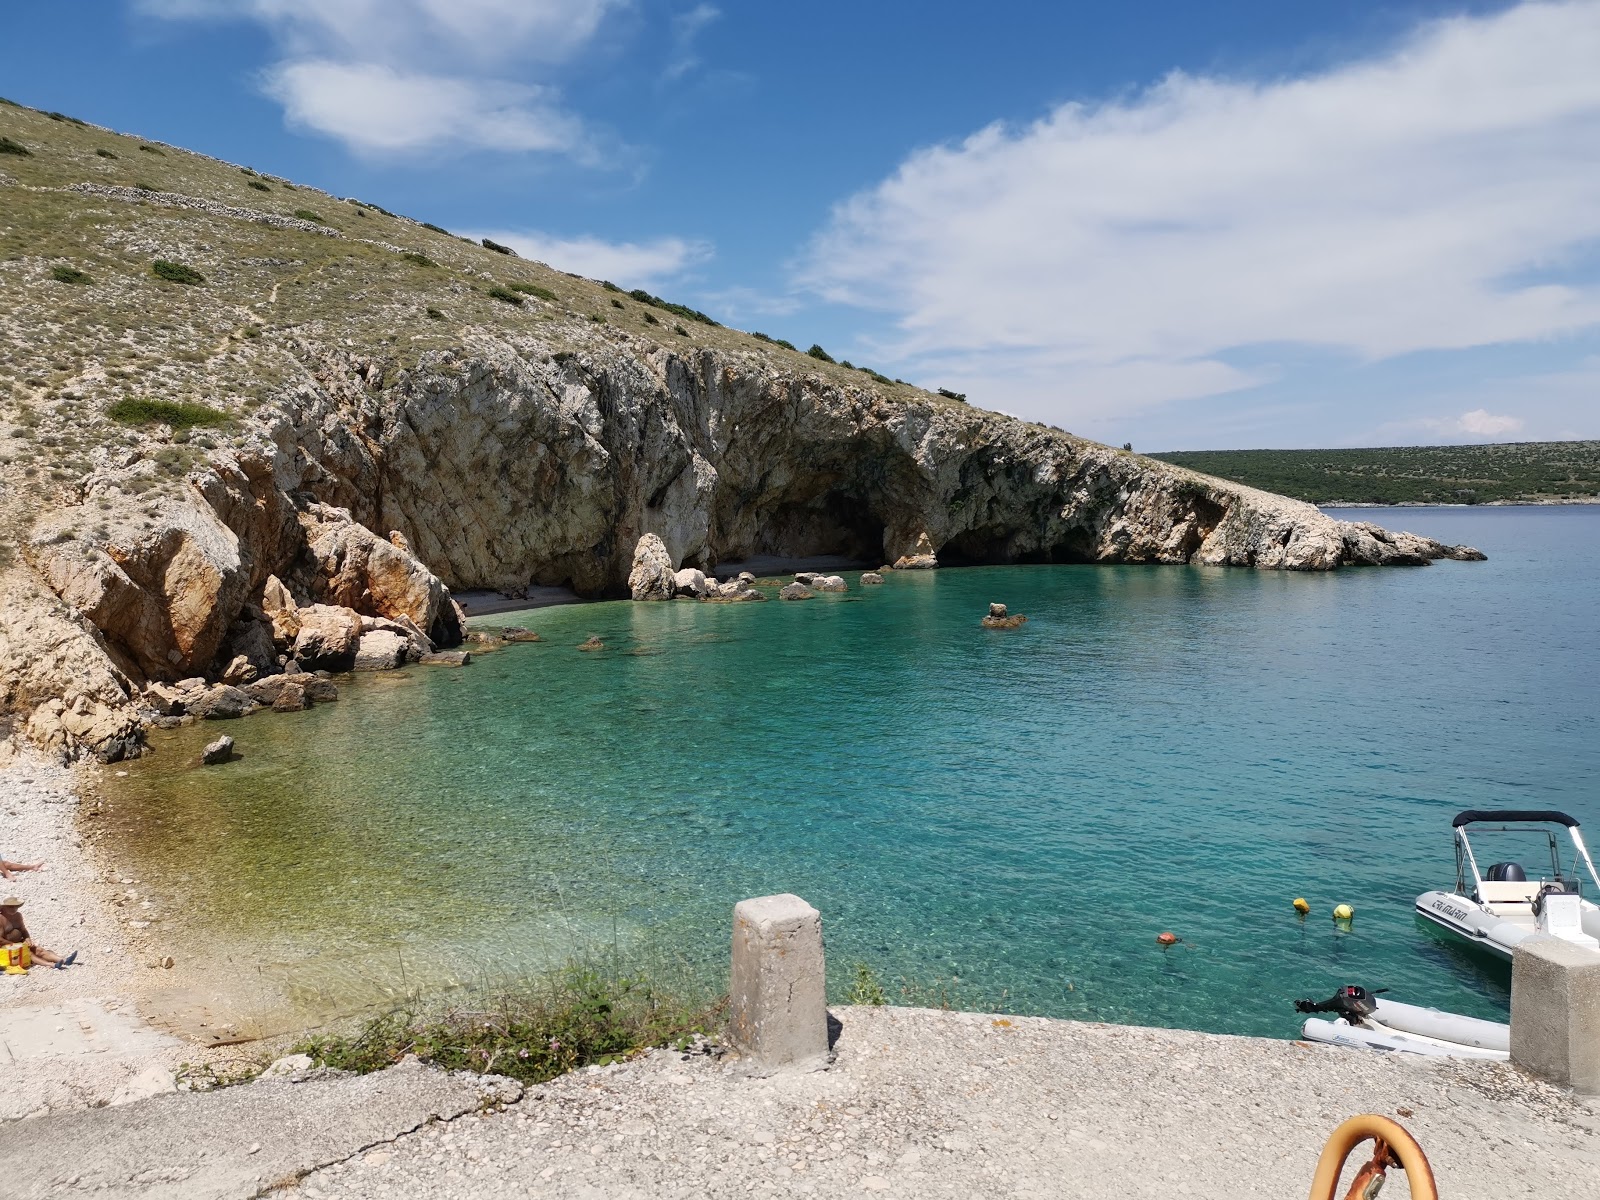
(1510, 471)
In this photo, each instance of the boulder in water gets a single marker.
(870, 578)
(998, 618)
(795, 591)
(220, 703)
(219, 751)
(652, 576)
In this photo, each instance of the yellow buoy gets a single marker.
(1343, 913)
(1301, 906)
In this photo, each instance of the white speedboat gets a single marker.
(1368, 1023)
(1499, 907)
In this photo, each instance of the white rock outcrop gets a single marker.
(652, 576)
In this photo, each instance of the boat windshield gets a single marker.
(1511, 852)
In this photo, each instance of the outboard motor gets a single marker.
(1352, 1002)
(1505, 872)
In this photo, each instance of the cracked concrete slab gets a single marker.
(233, 1143)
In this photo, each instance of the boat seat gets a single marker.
(1521, 892)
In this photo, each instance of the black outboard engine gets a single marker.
(1506, 872)
(1352, 1002)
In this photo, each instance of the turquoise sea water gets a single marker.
(998, 819)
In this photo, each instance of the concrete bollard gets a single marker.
(1555, 1012)
(779, 1018)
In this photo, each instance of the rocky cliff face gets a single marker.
(287, 461)
(502, 465)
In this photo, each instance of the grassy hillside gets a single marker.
(143, 287)
(1512, 471)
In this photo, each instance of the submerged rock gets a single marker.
(594, 643)
(292, 697)
(447, 658)
(870, 578)
(652, 576)
(219, 751)
(516, 633)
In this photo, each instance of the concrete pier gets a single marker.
(1555, 1012)
(779, 1014)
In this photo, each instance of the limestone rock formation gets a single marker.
(998, 618)
(380, 650)
(652, 576)
(831, 583)
(291, 698)
(328, 637)
(795, 591)
(690, 582)
(357, 569)
(870, 579)
(219, 751)
(221, 702)
(620, 470)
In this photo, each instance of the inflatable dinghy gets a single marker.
(1371, 1024)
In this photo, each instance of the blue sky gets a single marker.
(1182, 225)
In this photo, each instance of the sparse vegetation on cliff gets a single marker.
(142, 410)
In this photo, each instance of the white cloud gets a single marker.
(1480, 422)
(389, 76)
(627, 264)
(1117, 255)
(376, 108)
(686, 27)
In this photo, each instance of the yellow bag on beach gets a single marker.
(16, 958)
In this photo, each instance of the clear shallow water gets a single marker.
(1005, 819)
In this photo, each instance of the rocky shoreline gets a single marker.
(508, 468)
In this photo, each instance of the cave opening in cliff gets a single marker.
(995, 546)
(838, 524)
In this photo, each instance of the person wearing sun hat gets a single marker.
(18, 947)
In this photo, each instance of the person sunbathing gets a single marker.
(6, 868)
(14, 936)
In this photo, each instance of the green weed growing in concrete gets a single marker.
(866, 989)
(582, 1017)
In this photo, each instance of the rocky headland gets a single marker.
(318, 452)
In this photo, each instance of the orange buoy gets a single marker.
(1168, 939)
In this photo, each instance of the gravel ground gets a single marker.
(74, 1038)
(934, 1104)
